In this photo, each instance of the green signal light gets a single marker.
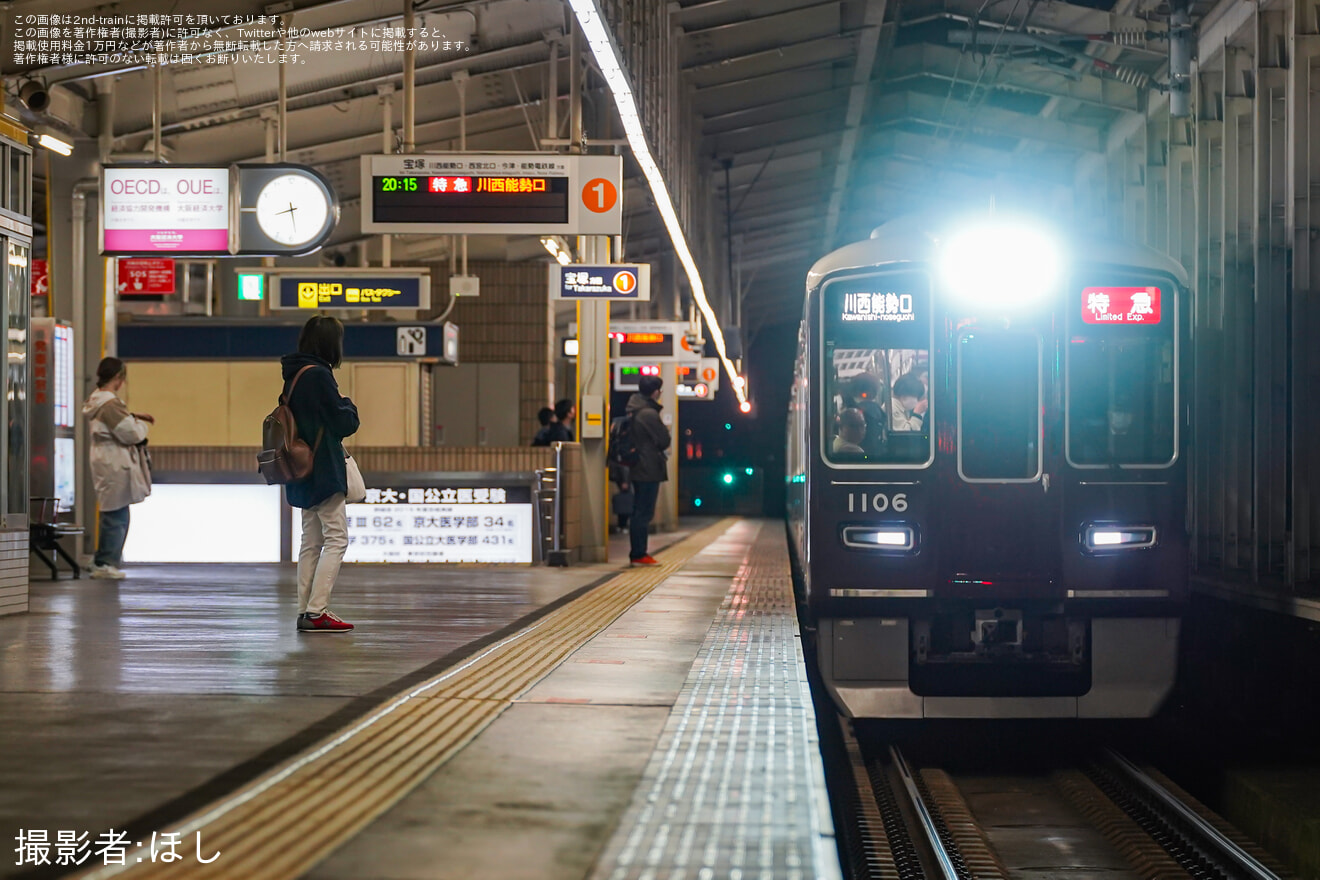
(728, 479)
(252, 287)
(748, 471)
(728, 426)
(696, 502)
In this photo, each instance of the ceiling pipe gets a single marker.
(155, 114)
(1180, 59)
(332, 94)
(409, 77)
(105, 113)
(283, 97)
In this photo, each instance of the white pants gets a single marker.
(324, 540)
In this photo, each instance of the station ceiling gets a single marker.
(832, 115)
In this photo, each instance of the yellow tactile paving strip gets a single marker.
(282, 824)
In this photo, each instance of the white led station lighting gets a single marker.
(558, 249)
(59, 145)
(611, 67)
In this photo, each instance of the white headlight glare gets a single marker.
(879, 537)
(1120, 537)
(1000, 265)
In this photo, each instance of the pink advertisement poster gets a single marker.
(165, 210)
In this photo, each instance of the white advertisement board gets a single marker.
(191, 522)
(434, 524)
(167, 210)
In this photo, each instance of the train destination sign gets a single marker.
(626, 281)
(503, 193)
(348, 290)
(887, 307)
(1121, 305)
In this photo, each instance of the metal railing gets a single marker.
(550, 510)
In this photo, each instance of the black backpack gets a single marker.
(623, 446)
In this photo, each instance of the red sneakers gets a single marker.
(324, 622)
(646, 560)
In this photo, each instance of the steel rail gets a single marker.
(928, 826)
(1209, 834)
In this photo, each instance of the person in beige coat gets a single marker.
(120, 473)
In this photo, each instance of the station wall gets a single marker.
(511, 322)
(223, 403)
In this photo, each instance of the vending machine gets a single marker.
(54, 410)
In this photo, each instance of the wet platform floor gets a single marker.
(129, 704)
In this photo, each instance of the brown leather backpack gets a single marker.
(285, 457)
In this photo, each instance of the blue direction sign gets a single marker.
(627, 281)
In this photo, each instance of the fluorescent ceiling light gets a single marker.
(50, 142)
(611, 67)
(558, 249)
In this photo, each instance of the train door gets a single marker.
(1000, 515)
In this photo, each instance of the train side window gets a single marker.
(999, 404)
(1121, 391)
(875, 366)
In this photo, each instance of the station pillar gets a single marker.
(593, 395)
(667, 508)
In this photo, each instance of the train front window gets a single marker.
(1121, 400)
(876, 369)
(999, 404)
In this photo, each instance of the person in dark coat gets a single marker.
(324, 418)
(652, 439)
(561, 430)
(546, 416)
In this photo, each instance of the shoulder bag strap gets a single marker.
(320, 432)
(288, 395)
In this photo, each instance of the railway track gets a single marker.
(1104, 814)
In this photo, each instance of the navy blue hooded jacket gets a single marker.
(317, 405)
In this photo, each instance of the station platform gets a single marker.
(482, 722)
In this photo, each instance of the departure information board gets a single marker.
(500, 193)
(464, 199)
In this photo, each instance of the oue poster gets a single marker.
(153, 210)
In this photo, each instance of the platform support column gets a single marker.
(667, 509)
(593, 408)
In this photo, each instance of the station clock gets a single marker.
(284, 209)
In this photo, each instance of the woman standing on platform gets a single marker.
(324, 418)
(120, 473)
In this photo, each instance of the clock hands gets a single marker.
(290, 211)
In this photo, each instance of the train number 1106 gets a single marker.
(865, 502)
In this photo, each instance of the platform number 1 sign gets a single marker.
(412, 341)
(599, 195)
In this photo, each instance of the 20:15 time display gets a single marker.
(398, 184)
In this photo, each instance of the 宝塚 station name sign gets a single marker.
(351, 290)
(500, 193)
(626, 281)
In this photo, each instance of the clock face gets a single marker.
(292, 209)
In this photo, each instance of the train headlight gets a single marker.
(880, 537)
(1001, 265)
(1118, 537)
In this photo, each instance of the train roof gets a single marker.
(915, 241)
